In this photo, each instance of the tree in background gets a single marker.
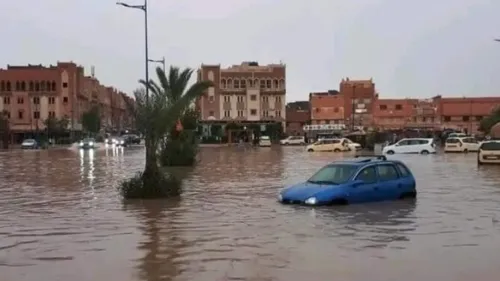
(156, 116)
(487, 123)
(181, 145)
(91, 120)
(4, 129)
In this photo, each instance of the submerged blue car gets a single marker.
(359, 180)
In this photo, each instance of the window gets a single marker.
(36, 115)
(211, 113)
(53, 86)
(424, 119)
(250, 83)
(20, 114)
(18, 86)
(243, 84)
(227, 98)
(52, 100)
(240, 113)
(42, 86)
(7, 86)
(403, 142)
(32, 86)
(240, 98)
(278, 99)
(253, 97)
(387, 172)
(6, 100)
(398, 107)
(8, 114)
(265, 98)
(253, 111)
(383, 107)
(2, 86)
(20, 100)
(23, 86)
(336, 110)
(269, 84)
(276, 84)
(465, 118)
(262, 84)
(367, 175)
(37, 86)
(236, 84)
(490, 146)
(479, 118)
(265, 113)
(403, 171)
(333, 174)
(52, 114)
(65, 99)
(36, 100)
(211, 98)
(278, 113)
(227, 113)
(447, 119)
(65, 85)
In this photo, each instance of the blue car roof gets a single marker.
(364, 160)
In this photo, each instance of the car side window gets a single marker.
(387, 172)
(403, 171)
(405, 142)
(368, 175)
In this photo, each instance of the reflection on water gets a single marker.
(62, 219)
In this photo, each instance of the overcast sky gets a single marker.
(410, 48)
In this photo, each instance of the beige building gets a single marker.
(247, 93)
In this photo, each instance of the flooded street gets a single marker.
(61, 218)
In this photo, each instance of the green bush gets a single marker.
(166, 186)
(180, 151)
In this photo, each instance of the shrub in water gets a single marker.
(163, 187)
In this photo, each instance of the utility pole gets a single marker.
(353, 106)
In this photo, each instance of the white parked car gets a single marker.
(29, 144)
(264, 141)
(457, 135)
(489, 153)
(293, 140)
(411, 145)
(461, 144)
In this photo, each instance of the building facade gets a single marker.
(246, 93)
(31, 94)
(298, 115)
(359, 96)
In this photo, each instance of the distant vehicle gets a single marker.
(29, 144)
(359, 180)
(264, 141)
(324, 145)
(131, 139)
(489, 152)
(411, 146)
(456, 135)
(87, 143)
(353, 146)
(461, 144)
(293, 140)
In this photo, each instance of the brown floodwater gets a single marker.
(61, 218)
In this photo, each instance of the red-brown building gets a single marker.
(298, 115)
(359, 96)
(327, 107)
(31, 94)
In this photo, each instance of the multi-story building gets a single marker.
(298, 115)
(359, 96)
(327, 107)
(33, 93)
(248, 93)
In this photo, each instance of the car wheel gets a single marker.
(424, 152)
(310, 150)
(336, 150)
(390, 152)
(338, 202)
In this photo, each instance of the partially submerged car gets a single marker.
(87, 143)
(359, 180)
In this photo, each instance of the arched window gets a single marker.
(8, 86)
(256, 82)
(236, 83)
(282, 84)
(223, 83)
(2, 86)
(269, 84)
(47, 85)
(54, 86)
(42, 86)
(276, 84)
(250, 83)
(23, 86)
(32, 86)
(229, 83)
(37, 86)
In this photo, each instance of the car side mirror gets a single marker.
(357, 183)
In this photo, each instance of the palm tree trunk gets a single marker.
(151, 177)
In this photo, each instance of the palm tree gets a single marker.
(179, 149)
(154, 118)
(4, 129)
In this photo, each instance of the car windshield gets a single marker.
(490, 146)
(29, 141)
(333, 174)
(264, 138)
(88, 140)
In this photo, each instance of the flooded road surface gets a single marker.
(61, 218)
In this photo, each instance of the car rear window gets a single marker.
(403, 171)
(452, 141)
(490, 146)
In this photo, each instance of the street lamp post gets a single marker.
(162, 61)
(353, 106)
(145, 9)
